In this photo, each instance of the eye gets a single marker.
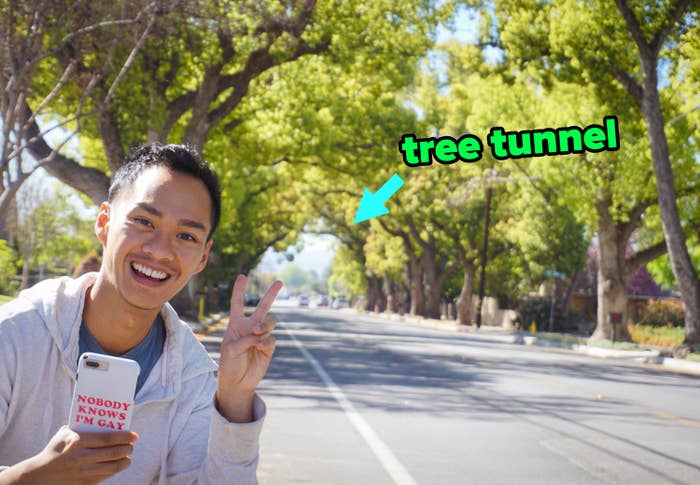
(142, 221)
(187, 237)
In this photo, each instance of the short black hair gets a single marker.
(178, 158)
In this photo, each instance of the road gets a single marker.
(358, 400)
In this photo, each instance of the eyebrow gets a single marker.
(182, 222)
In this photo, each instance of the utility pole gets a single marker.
(484, 251)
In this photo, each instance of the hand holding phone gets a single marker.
(103, 399)
(70, 457)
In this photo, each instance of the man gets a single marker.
(188, 426)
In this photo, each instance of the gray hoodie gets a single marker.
(182, 438)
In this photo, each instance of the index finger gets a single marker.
(104, 439)
(238, 296)
(267, 300)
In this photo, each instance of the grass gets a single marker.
(608, 344)
(4, 299)
(561, 337)
(643, 336)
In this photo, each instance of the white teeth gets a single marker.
(152, 273)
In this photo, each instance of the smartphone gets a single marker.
(103, 399)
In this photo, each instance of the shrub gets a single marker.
(663, 313)
(8, 269)
(658, 336)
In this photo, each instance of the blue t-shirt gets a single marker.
(146, 353)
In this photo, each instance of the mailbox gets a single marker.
(615, 318)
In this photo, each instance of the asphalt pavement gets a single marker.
(358, 400)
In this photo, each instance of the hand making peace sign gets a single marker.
(246, 352)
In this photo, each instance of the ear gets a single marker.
(102, 222)
(205, 256)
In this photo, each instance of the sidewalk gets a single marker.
(499, 334)
(208, 321)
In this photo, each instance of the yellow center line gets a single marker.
(677, 419)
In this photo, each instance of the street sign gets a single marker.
(551, 273)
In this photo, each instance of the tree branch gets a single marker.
(633, 26)
(631, 85)
(546, 194)
(626, 229)
(90, 181)
(130, 59)
(255, 66)
(416, 235)
(641, 258)
(664, 30)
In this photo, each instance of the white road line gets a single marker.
(388, 460)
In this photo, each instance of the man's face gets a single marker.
(154, 236)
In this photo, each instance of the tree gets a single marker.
(205, 71)
(51, 233)
(348, 275)
(8, 268)
(670, 24)
(385, 257)
(32, 36)
(297, 278)
(550, 43)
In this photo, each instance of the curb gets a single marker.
(647, 357)
(429, 322)
(678, 365)
(203, 326)
(638, 355)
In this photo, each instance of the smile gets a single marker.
(149, 272)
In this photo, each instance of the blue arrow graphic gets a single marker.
(372, 205)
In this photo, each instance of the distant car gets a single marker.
(251, 299)
(303, 300)
(319, 301)
(339, 302)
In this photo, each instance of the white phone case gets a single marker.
(103, 398)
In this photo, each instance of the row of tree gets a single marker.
(549, 64)
(240, 80)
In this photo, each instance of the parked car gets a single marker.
(319, 301)
(303, 300)
(339, 302)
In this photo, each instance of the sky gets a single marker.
(317, 254)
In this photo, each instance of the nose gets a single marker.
(159, 246)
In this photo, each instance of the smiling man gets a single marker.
(188, 425)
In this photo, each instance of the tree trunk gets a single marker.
(464, 302)
(111, 138)
(375, 296)
(416, 288)
(673, 232)
(392, 300)
(432, 283)
(612, 277)
(647, 95)
(403, 295)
